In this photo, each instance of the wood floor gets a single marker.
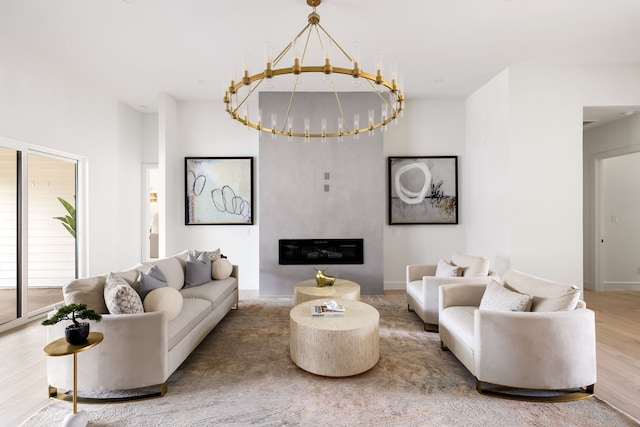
(618, 347)
(23, 366)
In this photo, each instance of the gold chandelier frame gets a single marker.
(393, 101)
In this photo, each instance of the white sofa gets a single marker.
(423, 283)
(141, 349)
(552, 347)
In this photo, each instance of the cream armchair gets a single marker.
(423, 284)
(553, 347)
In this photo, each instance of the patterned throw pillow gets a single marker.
(213, 255)
(498, 298)
(121, 298)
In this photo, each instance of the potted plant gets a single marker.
(77, 332)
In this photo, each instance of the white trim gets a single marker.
(598, 216)
(82, 255)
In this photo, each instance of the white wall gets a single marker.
(487, 167)
(545, 159)
(202, 129)
(46, 106)
(610, 141)
(428, 128)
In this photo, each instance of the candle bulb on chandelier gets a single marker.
(290, 129)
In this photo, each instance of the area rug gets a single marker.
(241, 374)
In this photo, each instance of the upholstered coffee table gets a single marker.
(341, 289)
(338, 346)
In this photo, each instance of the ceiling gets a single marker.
(137, 49)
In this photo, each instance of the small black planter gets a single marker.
(77, 334)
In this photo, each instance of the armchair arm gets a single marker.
(462, 294)
(535, 350)
(417, 271)
(133, 354)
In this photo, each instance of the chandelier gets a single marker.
(388, 105)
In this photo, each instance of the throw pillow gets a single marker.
(164, 299)
(446, 269)
(121, 298)
(198, 270)
(89, 291)
(498, 298)
(473, 266)
(172, 269)
(565, 302)
(213, 255)
(149, 281)
(221, 269)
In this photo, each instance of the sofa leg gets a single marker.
(429, 327)
(443, 347)
(409, 309)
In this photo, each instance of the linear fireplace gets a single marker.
(321, 251)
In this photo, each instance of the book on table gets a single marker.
(328, 308)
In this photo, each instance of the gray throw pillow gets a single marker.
(198, 270)
(152, 279)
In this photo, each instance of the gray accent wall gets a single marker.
(320, 189)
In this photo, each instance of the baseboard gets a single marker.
(621, 286)
(395, 286)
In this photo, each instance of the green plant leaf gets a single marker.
(68, 221)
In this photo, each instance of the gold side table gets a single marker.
(61, 347)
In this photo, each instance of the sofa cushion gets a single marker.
(459, 321)
(414, 288)
(498, 298)
(192, 313)
(148, 281)
(164, 299)
(446, 269)
(547, 295)
(172, 270)
(214, 291)
(473, 266)
(567, 301)
(120, 297)
(89, 291)
(221, 269)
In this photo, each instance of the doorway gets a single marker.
(150, 212)
(611, 143)
(38, 245)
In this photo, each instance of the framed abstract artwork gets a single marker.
(218, 190)
(423, 190)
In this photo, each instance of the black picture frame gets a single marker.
(423, 190)
(218, 190)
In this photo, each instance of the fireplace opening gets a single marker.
(321, 251)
